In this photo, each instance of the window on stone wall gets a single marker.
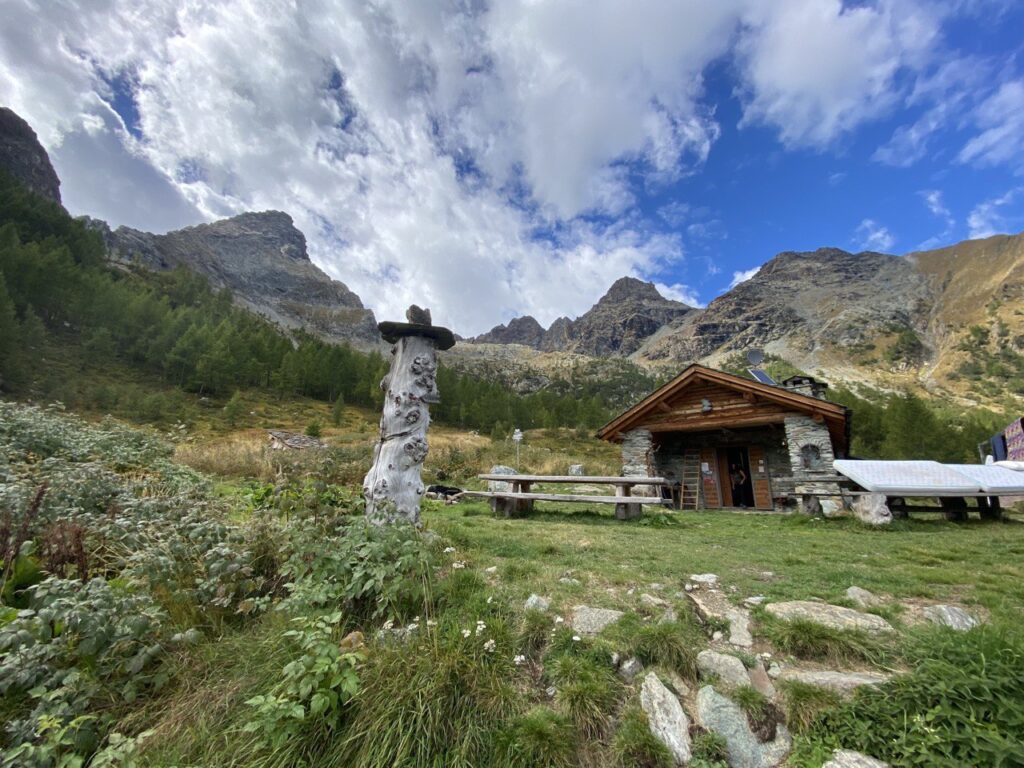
(810, 456)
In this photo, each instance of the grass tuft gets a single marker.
(804, 703)
(810, 640)
(760, 712)
(542, 738)
(586, 691)
(634, 746)
(534, 630)
(709, 750)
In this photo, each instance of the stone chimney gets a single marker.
(806, 385)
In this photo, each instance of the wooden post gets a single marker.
(626, 511)
(393, 486)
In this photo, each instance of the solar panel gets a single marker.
(907, 478)
(995, 480)
(761, 376)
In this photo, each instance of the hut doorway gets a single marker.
(734, 471)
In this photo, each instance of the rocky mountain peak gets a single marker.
(22, 156)
(630, 288)
(520, 330)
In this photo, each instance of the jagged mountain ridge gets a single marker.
(616, 326)
(262, 258)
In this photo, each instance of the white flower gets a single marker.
(389, 624)
(490, 645)
(431, 623)
(457, 565)
(575, 638)
(489, 599)
(449, 550)
(466, 633)
(412, 627)
(519, 659)
(480, 627)
(559, 619)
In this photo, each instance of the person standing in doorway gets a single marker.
(738, 480)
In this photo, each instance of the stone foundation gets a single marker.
(637, 453)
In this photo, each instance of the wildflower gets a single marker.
(489, 599)
(389, 624)
(457, 565)
(466, 633)
(449, 550)
(519, 659)
(431, 623)
(490, 645)
(480, 627)
(559, 619)
(412, 627)
(575, 638)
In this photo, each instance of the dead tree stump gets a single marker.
(393, 487)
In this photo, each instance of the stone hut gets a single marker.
(724, 441)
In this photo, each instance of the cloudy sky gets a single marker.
(490, 159)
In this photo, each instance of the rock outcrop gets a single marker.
(262, 259)
(22, 156)
(520, 330)
(666, 718)
(833, 616)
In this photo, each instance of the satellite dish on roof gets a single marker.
(755, 357)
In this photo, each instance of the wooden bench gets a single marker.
(519, 500)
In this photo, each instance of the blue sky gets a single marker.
(492, 159)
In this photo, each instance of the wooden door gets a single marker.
(759, 478)
(709, 479)
(725, 486)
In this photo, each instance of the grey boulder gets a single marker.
(726, 668)
(950, 616)
(590, 621)
(666, 718)
(847, 758)
(725, 718)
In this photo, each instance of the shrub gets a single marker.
(962, 703)
(634, 746)
(369, 571)
(313, 429)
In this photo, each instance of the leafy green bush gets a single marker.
(962, 703)
(369, 571)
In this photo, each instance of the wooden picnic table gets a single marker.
(519, 500)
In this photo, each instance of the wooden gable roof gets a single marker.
(735, 402)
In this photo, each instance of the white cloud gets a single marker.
(742, 277)
(872, 236)
(990, 217)
(815, 69)
(1001, 120)
(442, 152)
(933, 200)
(680, 292)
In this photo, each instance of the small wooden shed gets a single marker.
(728, 441)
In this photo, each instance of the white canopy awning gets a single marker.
(930, 478)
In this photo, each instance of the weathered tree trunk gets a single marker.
(393, 487)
